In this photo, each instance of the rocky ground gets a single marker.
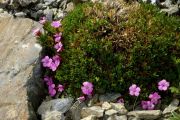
(57, 9)
(100, 107)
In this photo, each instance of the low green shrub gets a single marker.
(113, 52)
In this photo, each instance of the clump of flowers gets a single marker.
(147, 105)
(155, 97)
(51, 63)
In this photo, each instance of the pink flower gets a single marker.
(48, 80)
(58, 46)
(56, 60)
(36, 32)
(53, 66)
(163, 85)
(57, 37)
(52, 90)
(60, 88)
(147, 105)
(56, 24)
(134, 90)
(81, 99)
(42, 20)
(87, 88)
(46, 61)
(121, 100)
(154, 97)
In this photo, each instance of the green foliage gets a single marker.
(175, 116)
(175, 90)
(114, 53)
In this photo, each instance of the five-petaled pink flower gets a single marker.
(52, 90)
(56, 60)
(81, 99)
(87, 88)
(57, 37)
(154, 97)
(58, 47)
(163, 85)
(42, 20)
(147, 105)
(60, 88)
(134, 90)
(46, 61)
(36, 32)
(56, 24)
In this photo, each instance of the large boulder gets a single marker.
(21, 89)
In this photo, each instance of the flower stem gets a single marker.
(135, 103)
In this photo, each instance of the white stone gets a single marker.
(53, 115)
(120, 108)
(110, 112)
(106, 106)
(95, 110)
(172, 107)
(146, 114)
(91, 117)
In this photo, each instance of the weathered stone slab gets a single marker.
(20, 84)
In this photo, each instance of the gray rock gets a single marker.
(75, 111)
(60, 14)
(133, 118)
(178, 2)
(122, 117)
(63, 4)
(1, 10)
(172, 107)
(61, 105)
(40, 6)
(20, 14)
(109, 97)
(91, 117)
(173, 10)
(115, 117)
(93, 100)
(53, 115)
(120, 108)
(167, 3)
(110, 112)
(4, 3)
(24, 3)
(20, 71)
(146, 114)
(37, 14)
(48, 2)
(70, 7)
(106, 106)
(49, 14)
(95, 110)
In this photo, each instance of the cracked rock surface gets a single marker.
(21, 89)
